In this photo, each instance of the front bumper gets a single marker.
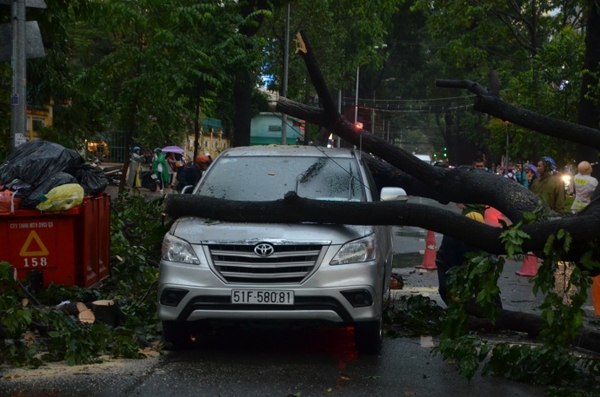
(329, 295)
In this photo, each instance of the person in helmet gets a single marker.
(160, 168)
(548, 186)
(551, 162)
(192, 173)
(453, 253)
(135, 167)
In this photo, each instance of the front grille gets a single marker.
(287, 264)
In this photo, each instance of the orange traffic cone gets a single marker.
(530, 266)
(596, 294)
(430, 250)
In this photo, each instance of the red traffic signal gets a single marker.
(358, 126)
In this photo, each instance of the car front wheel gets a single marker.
(178, 334)
(368, 336)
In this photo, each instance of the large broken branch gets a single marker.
(494, 106)
(294, 209)
(458, 185)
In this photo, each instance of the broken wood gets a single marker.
(87, 317)
(108, 312)
(73, 308)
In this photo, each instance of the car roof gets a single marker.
(289, 150)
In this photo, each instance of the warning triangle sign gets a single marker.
(33, 246)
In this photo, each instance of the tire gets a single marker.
(178, 334)
(152, 187)
(368, 336)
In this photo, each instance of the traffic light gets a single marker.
(445, 154)
(358, 126)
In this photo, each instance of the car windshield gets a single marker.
(268, 178)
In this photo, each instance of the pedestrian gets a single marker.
(160, 168)
(480, 155)
(585, 184)
(478, 164)
(135, 165)
(172, 169)
(181, 163)
(193, 172)
(452, 253)
(510, 175)
(532, 175)
(548, 186)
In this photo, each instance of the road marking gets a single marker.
(427, 341)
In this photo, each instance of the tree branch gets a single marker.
(493, 106)
(295, 209)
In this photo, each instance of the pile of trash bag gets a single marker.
(34, 169)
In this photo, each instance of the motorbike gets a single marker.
(149, 180)
(113, 174)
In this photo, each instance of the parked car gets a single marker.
(309, 273)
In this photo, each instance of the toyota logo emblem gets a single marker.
(264, 249)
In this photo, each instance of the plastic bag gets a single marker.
(9, 203)
(33, 162)
(31, 197)
(92, 179)
(61, 198)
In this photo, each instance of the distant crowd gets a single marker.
(173, 171)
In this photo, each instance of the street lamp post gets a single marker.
(356, 91)
(356, 96)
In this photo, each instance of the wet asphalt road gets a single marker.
(298, 362)
(267, 363)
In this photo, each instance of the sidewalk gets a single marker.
(113, 191)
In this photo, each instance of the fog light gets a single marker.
(172, 296)
(358, 297)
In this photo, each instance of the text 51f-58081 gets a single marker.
(262, 297)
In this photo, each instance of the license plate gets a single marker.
(262, 297)
(153, 176)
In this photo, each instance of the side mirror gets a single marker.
(393, 194)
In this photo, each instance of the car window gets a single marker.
(267, 178)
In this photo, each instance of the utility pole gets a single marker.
(18, 98)
(25, 42)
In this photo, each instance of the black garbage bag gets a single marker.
(34, 162)
(92, 179)
(31, 197)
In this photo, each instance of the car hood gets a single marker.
(205, 231)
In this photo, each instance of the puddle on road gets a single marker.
(409, 259)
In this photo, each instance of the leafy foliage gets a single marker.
(38, 332)
(551, 363)
(415, 315)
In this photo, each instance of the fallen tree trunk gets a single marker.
(294, 209)
(450, 185)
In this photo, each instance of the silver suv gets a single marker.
(321, 274)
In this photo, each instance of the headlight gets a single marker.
(356, 251)
(566, 178)
(177, 250)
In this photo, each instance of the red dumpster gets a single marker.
(67, 248)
